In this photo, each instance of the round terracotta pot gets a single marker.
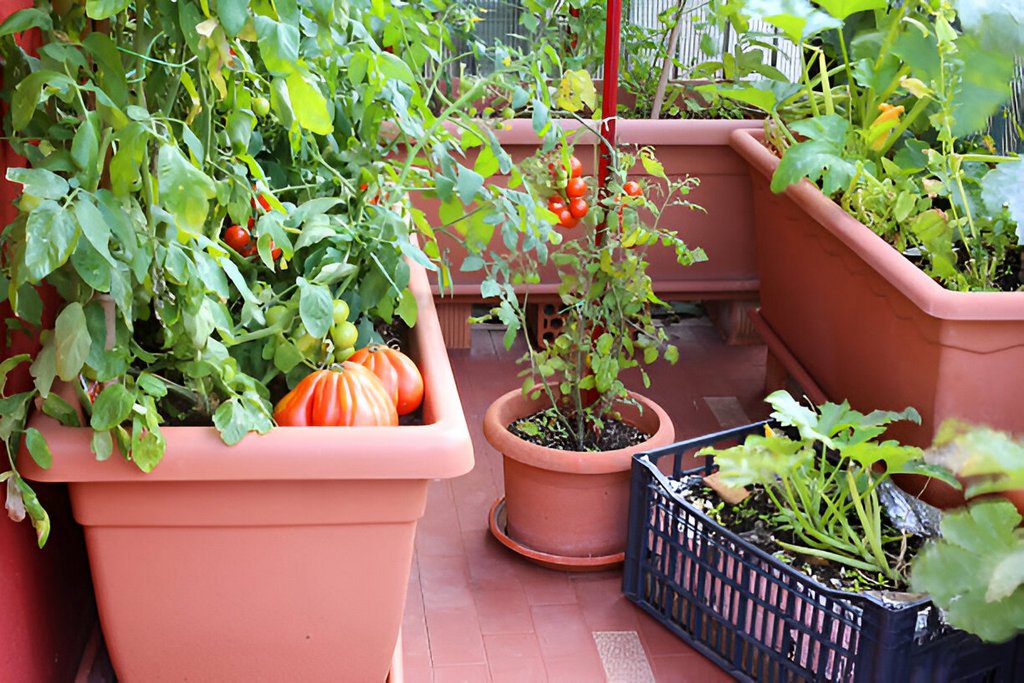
(568, 503)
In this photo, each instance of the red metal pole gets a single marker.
(609, 98)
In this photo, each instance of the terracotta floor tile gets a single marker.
(605, 608)
(657, 639)
(503, 610)
(445, 582)
(515, 657)
(544, 586)
(692, 668)
(462, 673)
(576, 669)
(562, 631)
(454, 637)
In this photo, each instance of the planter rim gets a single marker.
(697, 132)
(513, 405)
(439, 448)
(932, 298)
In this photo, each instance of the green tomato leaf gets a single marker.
(316, 307)
(39, 182)
(104, 9)
(309, 105)
(38, 448)
(184, 190)
(233, 15)
(94, 226)
(23, 20)
(44, 368)
(60, 410)
(85, 150)
(279, 45)
(406, 309)
(102, 445)
(112, 407)
(238, 416)
(9, 364)
(147, 446)
(393, 68)
(72, 341)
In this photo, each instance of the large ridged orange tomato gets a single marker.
(343, 395)
(397, 372)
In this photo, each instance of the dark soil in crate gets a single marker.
(751, 520)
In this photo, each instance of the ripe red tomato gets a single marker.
(578, 207)
(236, 237)
(397, 372)
(346, 395)
(556, 204)
(249, 251)
(576, 187)
(275, 252)
(575, 167)
(632, 188)
(566, 219)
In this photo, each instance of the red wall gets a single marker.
(46, 603)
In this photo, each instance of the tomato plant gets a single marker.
(196, 174)
(632, 188)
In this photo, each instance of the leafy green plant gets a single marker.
(975, 572)
(605, 294)
(823, 482)
(210, 183)
(886, 118)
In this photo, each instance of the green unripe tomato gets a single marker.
(508, 113)
(344, 335)
(307, 344)
(261, 106)
(343, 354)
(340, 312)
(276, 316)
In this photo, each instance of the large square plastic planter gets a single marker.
(759, 619)
(869, 326)
(283, 558)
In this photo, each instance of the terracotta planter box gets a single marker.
(697, 148)
(285, 557)
(863, 323)
(566, 509)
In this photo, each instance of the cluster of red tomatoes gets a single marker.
(240, 239)
(371, 389)
(572, 207)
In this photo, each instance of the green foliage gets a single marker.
(824, 482)
(307, 123)
(915, 88)
(976, 571)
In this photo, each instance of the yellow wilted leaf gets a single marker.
(575, 90)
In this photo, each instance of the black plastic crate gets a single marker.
(760, 619)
